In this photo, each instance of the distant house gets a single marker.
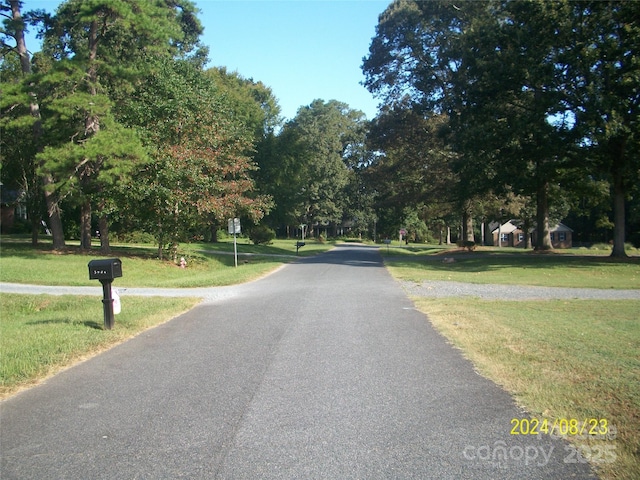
(10, 207)
(509, 234)
(561, 236)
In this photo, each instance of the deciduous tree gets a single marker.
(200, 169)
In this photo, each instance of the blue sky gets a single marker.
(302, 49)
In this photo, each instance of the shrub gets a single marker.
(262, 235)
(468, 244)
(135, 237)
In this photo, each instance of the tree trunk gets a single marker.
(527, 237)
(467, 226)
(85, 225)
(214, 233)
(35, 227)
(618, 194)
(53, 211)
(160, 241)
(103, 225)
(92, 126)
(543, 239)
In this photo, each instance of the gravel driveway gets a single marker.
(426, 288)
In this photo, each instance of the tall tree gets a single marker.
(414, 162)
(14, 26)
(510, 99)
(497, 69)
(605, 79)
(200, 170)
(311, 170)
(414, 63)
(253, 105)
(101, 46)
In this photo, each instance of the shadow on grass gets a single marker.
(14, 246)
(28, 251)
(93, 324)
(484, 262)
(61, 321)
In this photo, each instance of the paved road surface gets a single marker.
(321, 370)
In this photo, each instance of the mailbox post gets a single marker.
(105, 271)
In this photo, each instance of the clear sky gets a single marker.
(302, 49)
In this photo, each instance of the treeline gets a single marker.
(509, 109)
(117, 126)
(490, 111)
(116, 120)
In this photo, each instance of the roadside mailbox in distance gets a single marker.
(106, 270)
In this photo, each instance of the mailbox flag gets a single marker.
(117, 306)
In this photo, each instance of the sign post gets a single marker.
(234, 227)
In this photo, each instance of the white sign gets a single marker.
(234, 225)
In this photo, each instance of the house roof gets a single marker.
(507, 227)
(561, 227)
(512, 225)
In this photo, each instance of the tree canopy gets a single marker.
(489, 110)
(527, 88)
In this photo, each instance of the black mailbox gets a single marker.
(106, 269)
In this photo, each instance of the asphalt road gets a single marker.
(321, 370)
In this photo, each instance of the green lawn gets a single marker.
(41, 334)
(207, 264)
(525, 268)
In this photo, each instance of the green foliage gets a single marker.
(311, 164)
(40, 334)
(262, 235)
(253, 103)
(94, 52)
(530, 101)
(415, 165)
(135, 237)
(200, 170)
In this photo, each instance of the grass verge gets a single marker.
(522, 269)
(561, 360)
(42, 334)
(22, 263)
